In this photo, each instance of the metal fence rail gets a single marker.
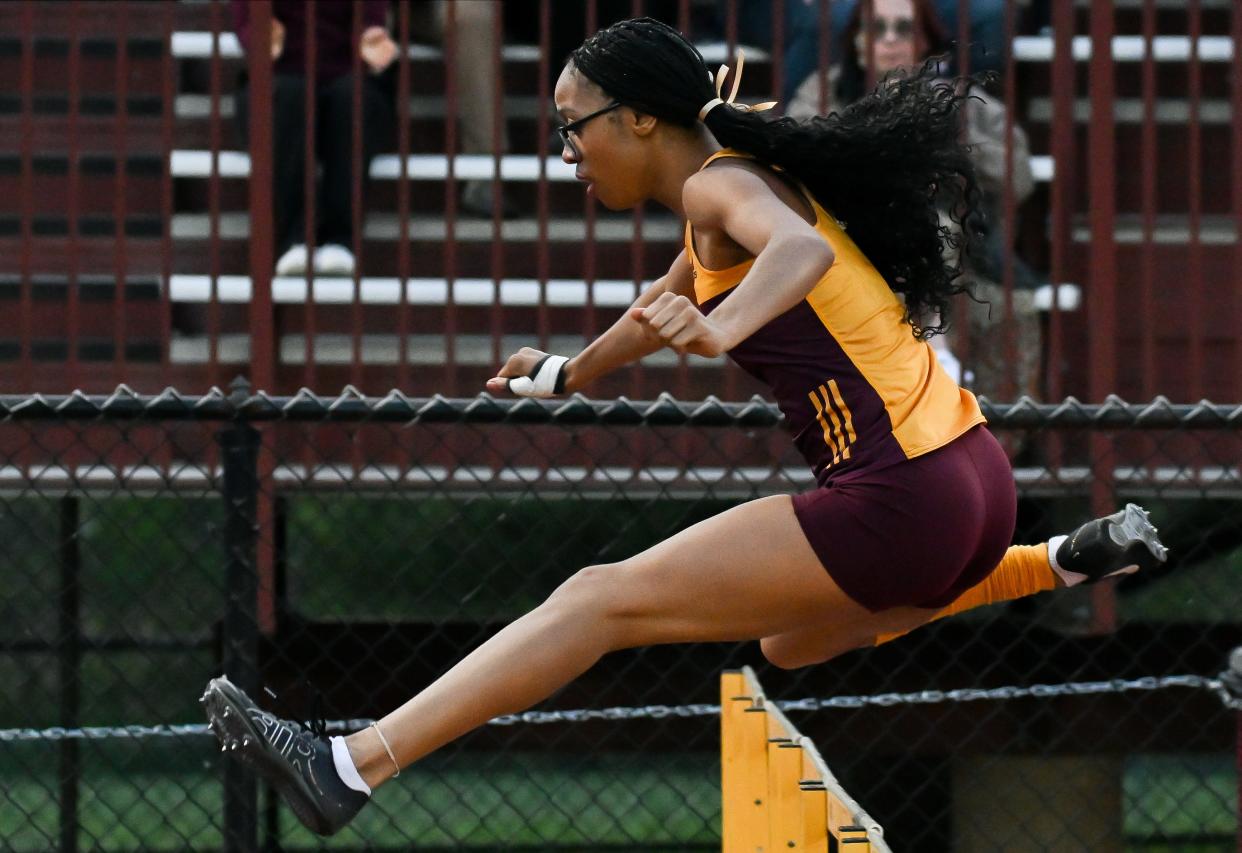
(359, 545)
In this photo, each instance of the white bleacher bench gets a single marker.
(1176, 111)
(291, 290)
(386, 226)
(1128, 48)
(1168, 230)
(198, 45)
(434, 167)
(1037, 48)
(419, 167)
(379, 349)
(190, 106)
(467, 292)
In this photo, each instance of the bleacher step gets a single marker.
(1166, 110)
(289, 290)
(469, 350)
(386, 227)
(435, 167)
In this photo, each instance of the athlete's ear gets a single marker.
(641, 123)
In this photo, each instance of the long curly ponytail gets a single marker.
(885, 166)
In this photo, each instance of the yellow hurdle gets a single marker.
(777, 794)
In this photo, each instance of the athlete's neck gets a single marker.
(682, 156)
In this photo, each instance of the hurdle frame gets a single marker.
(777, 792)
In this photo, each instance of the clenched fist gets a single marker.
(678, 323)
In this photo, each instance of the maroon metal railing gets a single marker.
(120, 254)
(1194, 267)
(26, 191)
(1101, 301)
(1235, 115)
(73, 319)
(262, 331)
(451, 116)
(213, 197)
(167, 97)
(403, 191)
(1148, 178)
(309, 161)
(1123, 339)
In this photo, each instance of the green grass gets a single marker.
(1207, 592)
(161, 794)
(150, 568)
(154, 569)
(1180, 796)
(440, 559)
(470, 800)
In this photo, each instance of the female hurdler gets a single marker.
(812, 251)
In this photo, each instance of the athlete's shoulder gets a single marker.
(710, 193)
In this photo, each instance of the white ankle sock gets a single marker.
(1067, 577)
(345, 767)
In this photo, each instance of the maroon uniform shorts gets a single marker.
(919, 533)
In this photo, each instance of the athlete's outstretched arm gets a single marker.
(626, 341)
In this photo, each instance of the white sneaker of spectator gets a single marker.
(334, 259)
(293, 261)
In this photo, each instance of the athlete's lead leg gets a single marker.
(746, 573)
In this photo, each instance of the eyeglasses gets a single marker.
(899, 28)
(576, 127)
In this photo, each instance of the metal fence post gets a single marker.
(239, 444)
(262, 247)
(1102, 295)
(70, 647)
(1233, 683)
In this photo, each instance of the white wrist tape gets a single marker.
(544, 381)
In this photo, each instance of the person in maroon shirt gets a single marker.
(334, 52)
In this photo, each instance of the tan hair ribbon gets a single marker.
(737, 81)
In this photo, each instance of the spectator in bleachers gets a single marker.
(477, 87)
(802, 27)
(334, 121)
(905, 34)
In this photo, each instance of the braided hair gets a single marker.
(884, 166)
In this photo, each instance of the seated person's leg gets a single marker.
(335, 131)
(289, 141)
(478, 87)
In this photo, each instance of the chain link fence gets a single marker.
(344, 552)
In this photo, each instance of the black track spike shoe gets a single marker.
(296, 760)
(1118, 544)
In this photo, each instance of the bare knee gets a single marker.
(588, 594)
(610, 599)
(584, 588)
(785, 655)
(787, 651)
